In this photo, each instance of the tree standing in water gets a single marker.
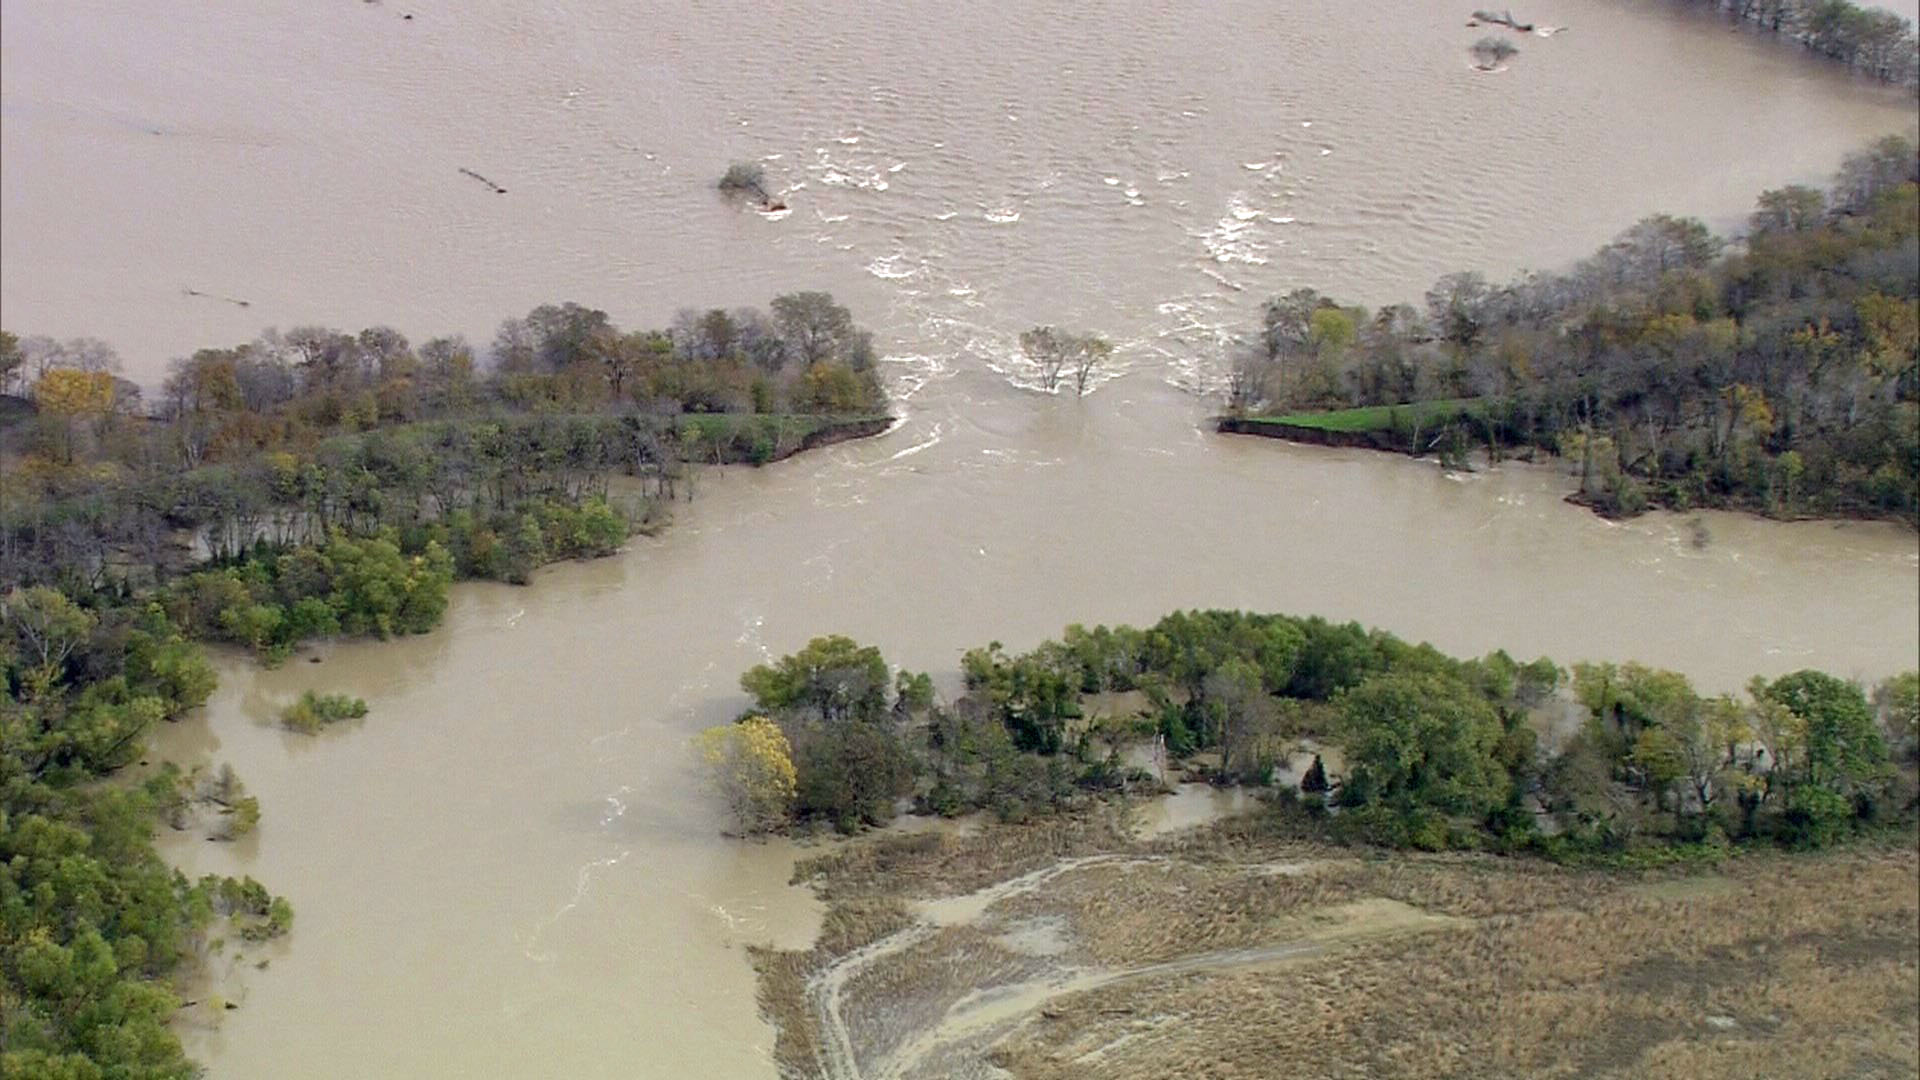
(1091, 353)
(1054, 351)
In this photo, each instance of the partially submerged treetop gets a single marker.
(1489, 51)
(745, 178)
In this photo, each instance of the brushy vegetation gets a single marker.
(1435, 752)
(1780, 373)
(314, 711)
(1280, 950)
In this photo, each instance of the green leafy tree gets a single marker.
(1842, 762)
(833, 676)
(1423, 742)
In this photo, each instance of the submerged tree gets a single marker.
(745, 178)
(1489, 52)
(1091, 354)
(1055, 351)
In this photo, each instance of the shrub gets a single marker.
(314, 711)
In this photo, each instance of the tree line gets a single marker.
(1423, 750)
(309, 483)
(1779, 372)
(298, 434)
(1870, 40)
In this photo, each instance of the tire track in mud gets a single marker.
(977, 1019)
(826, 990)
(983, 1017)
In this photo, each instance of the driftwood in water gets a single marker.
(497, 189)
(1505, 19)
(216, 296)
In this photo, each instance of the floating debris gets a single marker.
(1505, 19)
(497, 189)
(216, 296)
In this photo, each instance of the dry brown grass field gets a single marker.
(1067, 950)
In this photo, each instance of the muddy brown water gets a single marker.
(510, 868)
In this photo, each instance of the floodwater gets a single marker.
(510, 868)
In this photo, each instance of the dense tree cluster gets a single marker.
(1867, 38)
(92, 922)
(1781, 373)
(1433, 751)
(301, 433)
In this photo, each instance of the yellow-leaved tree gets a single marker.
(71, 397)
(751, 763)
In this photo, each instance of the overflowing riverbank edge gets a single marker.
(839, 431)
(742, 440)
(1404, 428)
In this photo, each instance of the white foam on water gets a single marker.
(1005, 215)
(939, 431)
(908, 372)
(1223, 279)
(1234, 237)
(891, 268)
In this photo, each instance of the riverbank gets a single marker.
(1067, 949)
(1869, 39)
(1452, 430)
(761, 439)
(1399, 428)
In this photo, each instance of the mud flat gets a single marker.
(1070, 949)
